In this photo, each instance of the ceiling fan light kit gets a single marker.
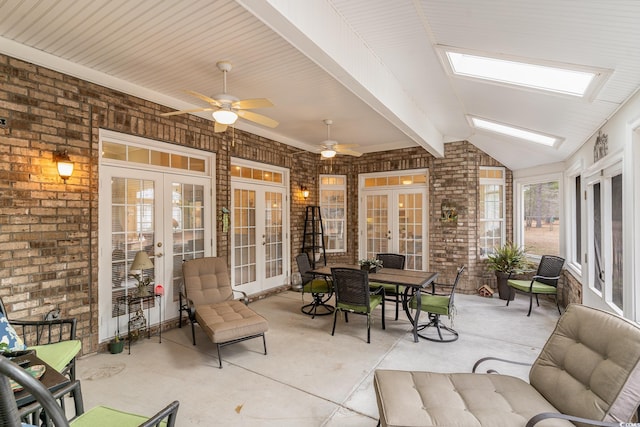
(225, 116)
(227, 108)
(327, 153)
(330, 147)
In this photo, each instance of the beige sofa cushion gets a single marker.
(207, 281)
(423, 399)
(591, 356)
(229, 320)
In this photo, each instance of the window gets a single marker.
(333, 207)
(491, 225)
(575, 199)
(539, 217)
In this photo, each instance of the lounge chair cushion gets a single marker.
(229, 320)
(59, 354)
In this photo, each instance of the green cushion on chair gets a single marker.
(105, 417)
(374, 301)
(59, 354)
(437, 304)
(538, 288)
(317, 286)
(389, 289)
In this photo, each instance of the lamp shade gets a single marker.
(141, 262)
(225, 116)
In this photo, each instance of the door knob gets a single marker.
(158, 255)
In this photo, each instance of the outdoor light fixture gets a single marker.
(225, 116)
(305, 192)
(140, 263)
(65, 165)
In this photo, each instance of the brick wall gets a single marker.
(49, 229)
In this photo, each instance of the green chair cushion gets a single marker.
(59, 354)
(317, 286)
(538, 288)
(437, 304)
(374, 301)
(106, 417)
(389, 289)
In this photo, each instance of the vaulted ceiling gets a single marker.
(369, 65)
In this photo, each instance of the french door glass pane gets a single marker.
(410, 229)
(244, 235)
(616, 239)
(597, 238)
(273, 234)
(132, 230)
(377, 225)
(187, 220)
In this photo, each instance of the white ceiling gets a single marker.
(370, 65)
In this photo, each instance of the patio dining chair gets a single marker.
(54, 341)
(353, 295)
(319, 287)
(436, 304)
(545, 281)
(11, 416)
(392, 291)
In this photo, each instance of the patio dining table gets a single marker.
(409, 278)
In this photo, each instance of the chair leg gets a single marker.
(264, 343)
(530, 304)
(557, 303)
(193, 332)
(369, 328)
(335, 316)
(383, 315)
(537, 302)
(219, 357)
(397, 302)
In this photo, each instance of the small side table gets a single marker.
(139, 301)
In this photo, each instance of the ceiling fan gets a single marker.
(227, 108)
(330, 147)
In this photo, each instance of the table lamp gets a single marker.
(140, 263)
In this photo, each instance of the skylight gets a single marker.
(536, 137)
(558, 78)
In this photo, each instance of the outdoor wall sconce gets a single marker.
(65, 165)
(305, 192)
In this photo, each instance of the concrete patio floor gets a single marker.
(308, 378)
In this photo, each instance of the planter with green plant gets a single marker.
(116, 345)
(506, 261)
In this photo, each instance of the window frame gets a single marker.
(503, 227)
(575, 206)
(334, 187)
(518, 210)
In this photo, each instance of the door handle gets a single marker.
(158, 255)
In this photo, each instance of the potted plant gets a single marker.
(372, 264)
(116, 345)
(507, 260)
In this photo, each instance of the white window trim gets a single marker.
(570, 235)
(499, 181)
(518, 209)
(342, 187)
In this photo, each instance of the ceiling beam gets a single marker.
(316, 29)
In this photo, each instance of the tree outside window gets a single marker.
(541, 220)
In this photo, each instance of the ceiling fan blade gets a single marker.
(219, 127)
(204, 98)
(195, 110)
(257, 118)
(347, 152)
(344, 146)
(248, 104)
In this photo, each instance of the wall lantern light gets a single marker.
(65, 165)
(305, 192)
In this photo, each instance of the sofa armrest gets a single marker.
(546, 415)
(493, 371)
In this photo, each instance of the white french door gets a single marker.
(158, 210)
(259, 228)
(393, 217)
